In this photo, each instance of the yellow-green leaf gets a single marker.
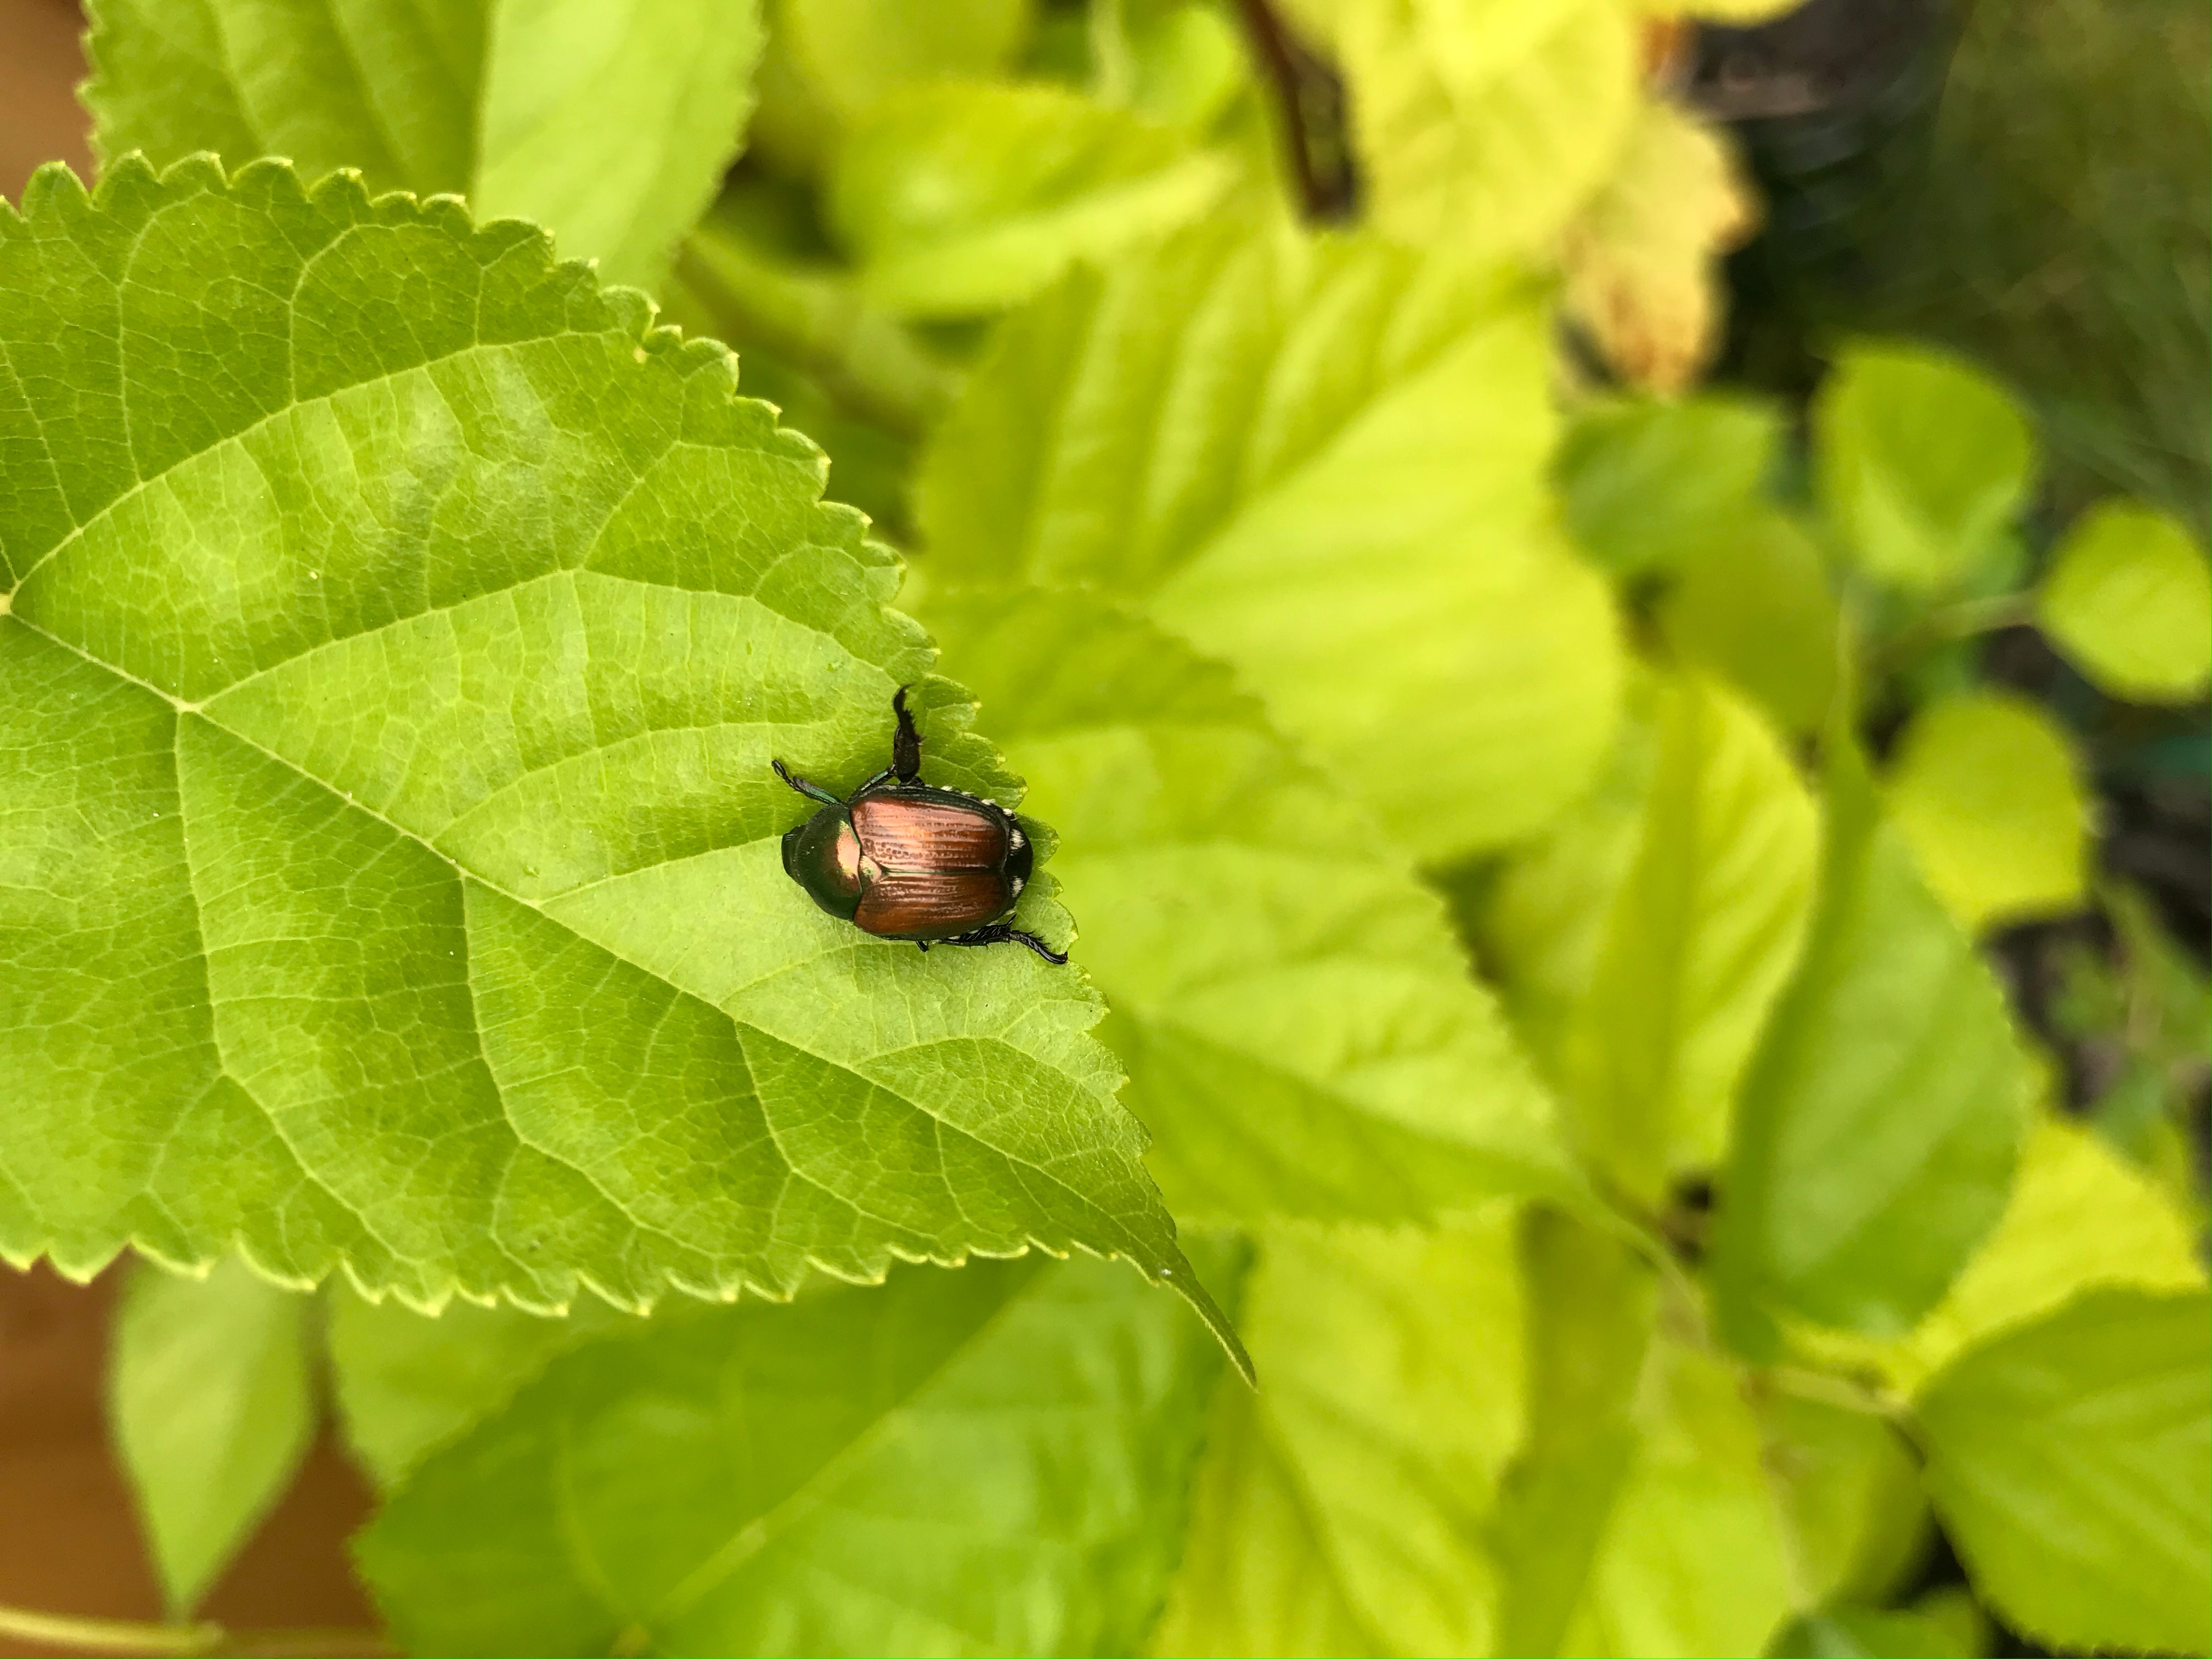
(2129, 599)
(1987, 791)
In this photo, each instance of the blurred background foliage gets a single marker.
(1720, 550)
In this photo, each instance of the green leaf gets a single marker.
(2071, 1461)
(400, 631)
(1299, 1028)
(1484, 124)
(611, 126)
(957, 199)
(1537, 916)
(1339, 1509)
(1322, 463)
(1703, 933)
(213, 1405)
(1847, 1486)
(1986, 789)
(1943, 1622)
(1922, 461)
(1878, 1125)
(993, 1461)
(2078, 1218)
(1755, 608)
(1657, 486)
(853, 53)
(407, 1385)
(1692, 1560)
(2128, 599)
(1590, 1308)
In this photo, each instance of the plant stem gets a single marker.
(124, 1635)
(1315, 121)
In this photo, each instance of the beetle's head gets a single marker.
(822, 855)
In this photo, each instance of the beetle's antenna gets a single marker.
(906, 745)
(811, 790)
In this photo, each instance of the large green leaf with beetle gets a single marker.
(1300, 1030)
(987, 1461)
(1338, 406)
(399, 632)
(609, 124)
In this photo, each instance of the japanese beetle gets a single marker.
(903, 860)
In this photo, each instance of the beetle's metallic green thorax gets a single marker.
(822, 855)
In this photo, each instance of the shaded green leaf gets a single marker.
(1692, 1560)
(1847, 1486)
(1875, 1135)
(958, 199)
(1657, 486)
(211, 1396)
(1340, 1510)
(1942, 1623)
(1986, 789)
(1755, 608)
(2071, 1461)
(2078, 1218)
(407, 1385)
(610, 126)
(1300, 1031)
(1922, 462)
(1537, 917)
(993, 1461)
(399, 631)
(1338, 408)
(1589, 1306)
(2129, 599)
(1703, 930)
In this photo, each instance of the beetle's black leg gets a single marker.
(811, 790)
(999, 933)
(922, 946)
(906, 744)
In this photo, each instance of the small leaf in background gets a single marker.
(957, 199)
(1692, 1559)
(407, 1385)
(2071, 1463)
(1587, 1310)
(1943, 1622)
(610, 126)
(1339, 1509)
(1651, 485)
(1703, 933)
(1301, 1034)
(1986, 788)
(1876, 1132)
(396, 653)
(211, 1397)
(2129, 599)
(990, 1461)
(1483, 125)
(1756, 609)
(1339, 408)
(1641, 259)
(2079, 1217)
(1921, 463)
(1847, 1485)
